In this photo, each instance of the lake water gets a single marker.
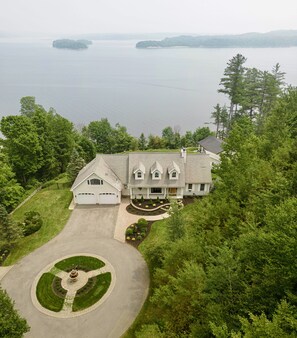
(145, 90)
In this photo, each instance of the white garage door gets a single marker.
(86, 198)
(108, 198)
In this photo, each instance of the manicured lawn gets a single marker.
(45, 295)
(52, 204)
(87, 262)
(89, 298)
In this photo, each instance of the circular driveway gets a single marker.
(89, 230)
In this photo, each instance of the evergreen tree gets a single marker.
(233, 82)
(142, 142)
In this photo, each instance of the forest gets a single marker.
(224, 266)
(274, 39)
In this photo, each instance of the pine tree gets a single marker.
(233, 82)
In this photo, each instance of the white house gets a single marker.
(211, 146)
(149, 175)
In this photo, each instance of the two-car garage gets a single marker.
(101, 198)
(96, 183)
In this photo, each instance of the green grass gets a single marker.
(45, 295)
(90, 263)
(89, 298)
(53, 208)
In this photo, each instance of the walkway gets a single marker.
(90, 230)
(125, 219)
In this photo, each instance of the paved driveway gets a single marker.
(89, 230)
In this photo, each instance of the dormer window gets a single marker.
(139, 171)
(173, 171)
(156, 171)
(173, 175)
(139, 175)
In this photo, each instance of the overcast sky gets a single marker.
(145, 16)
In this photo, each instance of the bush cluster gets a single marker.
(137, 231)
(32, 223)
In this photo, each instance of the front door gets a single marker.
(172, 191)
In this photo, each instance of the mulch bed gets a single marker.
(136, 243)
(135, 211)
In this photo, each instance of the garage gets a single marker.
(108, 198)
(86, 198)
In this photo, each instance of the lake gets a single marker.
(143, 89)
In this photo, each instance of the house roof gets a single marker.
(99, 167)
(212, 144)
(140, 167)
(119, 169)
(155, 161)
(173, 166)
(198, 168)
(157, 166)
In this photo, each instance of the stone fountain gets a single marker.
(73, 275)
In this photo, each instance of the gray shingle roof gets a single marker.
(155, 161)
(212, 144)
(103, 170)
(119, 169)
(198, 168)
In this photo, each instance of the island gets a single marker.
(284, 38)
(72, 44)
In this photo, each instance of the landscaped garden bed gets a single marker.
(150, 204)
(144, 207)
(138, 212)
(51, 292)
(137, 232)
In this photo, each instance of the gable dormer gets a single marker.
(173, 171)
(156, 171)
(139, 171)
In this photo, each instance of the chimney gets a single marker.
(183, 154)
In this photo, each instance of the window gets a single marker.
(190, 186)
(139, 174)
(202, 187)
(157, 175)
(95, 181)
(156, 190)
(173, 175)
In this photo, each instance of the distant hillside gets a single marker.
(286, 38)
(71, 44)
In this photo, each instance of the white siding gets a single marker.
(84, 187)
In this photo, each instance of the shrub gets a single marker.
(151, 202)
(129, 232)
(158, 199)
(142, 224)
(142, 199)
(139, 237)
(32, 223)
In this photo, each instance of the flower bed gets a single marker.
(137, 232)
(149, 204)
